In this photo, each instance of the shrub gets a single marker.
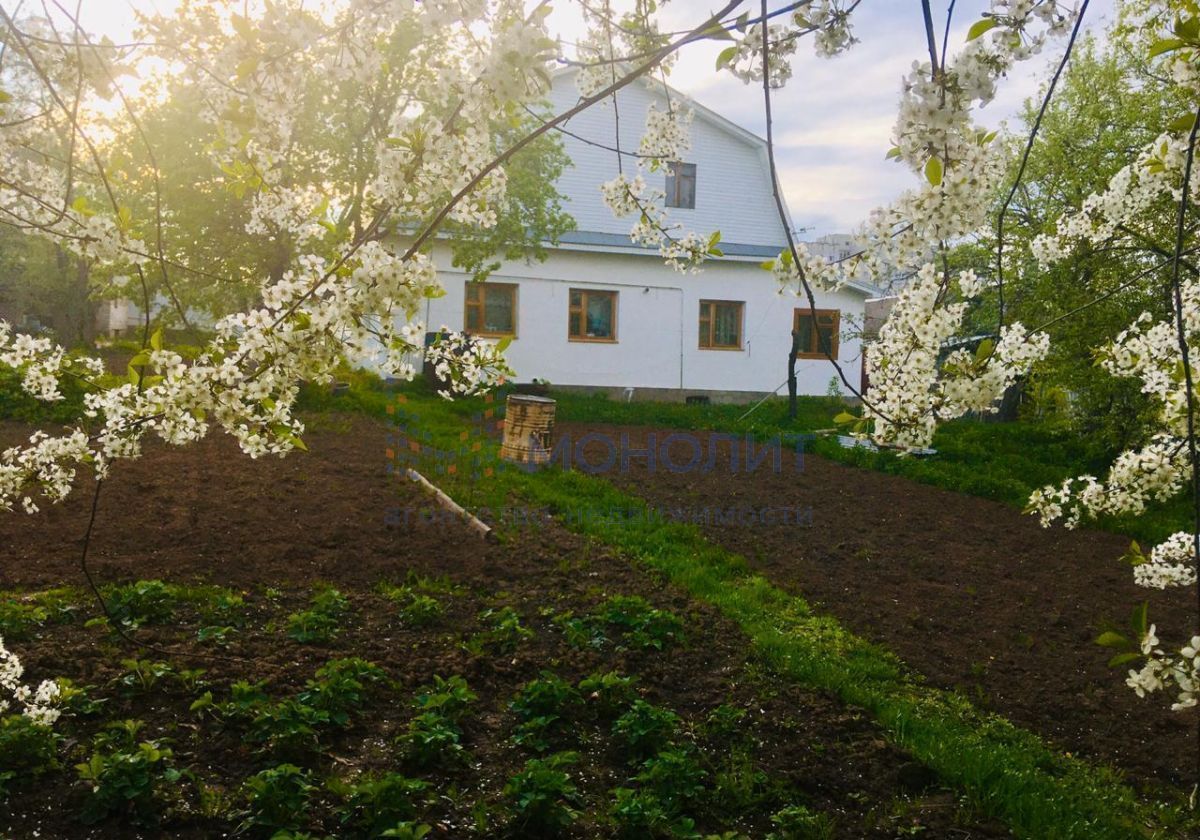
(645, 729)
(126, 777)
(542, 794)
(540, 707)
(320, 623)
(375, 803)
(277, 798)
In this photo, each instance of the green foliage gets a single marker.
(645, 729)
(143, 675)
(126, 777)
(16, 404)
(504, 632)
(143, 602)
(277, 798)
(797, 822)
(321, 622)
(374, 803)
(447, 697)
(541, 708)
(26, 750)
(641, 625)
(610, 692)
(638, 814)
(342, 686)
(408, 831)
(20, 615)
(415, 608)
(541, 796)
(675, 775)
(433, 739)
(724, 720)
(288, 728)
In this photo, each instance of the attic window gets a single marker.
(681, 185)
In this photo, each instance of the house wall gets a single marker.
(733, 185)
(657, 324)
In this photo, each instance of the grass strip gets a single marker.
(1007, 772)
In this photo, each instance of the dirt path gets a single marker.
(971, 593)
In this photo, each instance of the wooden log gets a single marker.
(472, 522)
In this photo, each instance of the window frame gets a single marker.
(674, 170)
(711, 320)
(814, 350)
(581, 312)
(480, 290)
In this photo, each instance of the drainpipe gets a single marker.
(681, 339)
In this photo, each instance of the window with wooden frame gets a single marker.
(816, 333)
(491, 309)
(681, 185)
(721, 324)
(592, 315)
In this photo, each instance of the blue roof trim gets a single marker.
(618, 240)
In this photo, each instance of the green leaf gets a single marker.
(5, 97)
(714, 251)
(845, 417)
(767, 265)
(984, 350)
(503, 343)
(726, 56)
(893, 152)
(156, 340)
(1112, 640)
(1140, 620)
(1123, 659)
(717, 32)
(933, 171)
(1182, 123)
(980, 27)
(1165, 45)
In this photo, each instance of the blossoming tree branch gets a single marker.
(360, 132)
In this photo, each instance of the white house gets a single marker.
(601, 311)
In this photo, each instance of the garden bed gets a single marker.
(272, 569)
(971, 593)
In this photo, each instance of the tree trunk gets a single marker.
(791, 379)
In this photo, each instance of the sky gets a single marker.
(833, 120)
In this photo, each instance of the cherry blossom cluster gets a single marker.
(1161, 669)
(37, 704)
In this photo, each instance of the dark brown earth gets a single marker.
(971, 593)
(208, 514)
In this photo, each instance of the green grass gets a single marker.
(1006, 771)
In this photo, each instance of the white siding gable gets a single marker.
(733, 185)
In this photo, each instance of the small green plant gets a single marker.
(447, 697)
(216, 634)
(640, 814)
(21, 614)
(143, 602)
(541, 796)
(581, 631)
(640, 624)
(321, 622)
(125, 777)
(723, 721)
(373, 804)
(432, 739)
(541, 707)
(288, 728)
(504, 632)
(415, 608)
(27, 750)
(797, 822)
(142, 675)
(675, 775)
(610, 692)
(77, 699)
(342, 686)
(645, 729)
(277, 798)
(408, 831)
